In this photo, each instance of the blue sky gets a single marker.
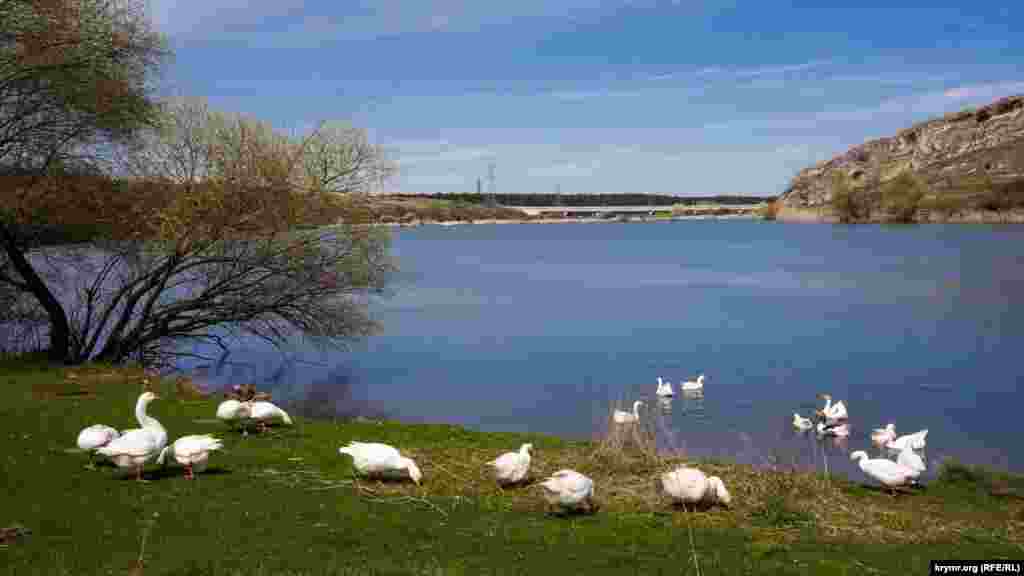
(662, 96)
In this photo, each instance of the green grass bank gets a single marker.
(285, 502)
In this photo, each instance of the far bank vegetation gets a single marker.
(907, 197)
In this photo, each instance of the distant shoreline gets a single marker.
(447, 223)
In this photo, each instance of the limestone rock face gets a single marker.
(943, 152)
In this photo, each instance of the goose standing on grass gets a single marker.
(838, 430)
(511, 467)
(687, 485)
(890, 474)
(693, 384)
(832, 412)
(801, 423)
(232, 412)
(95, 437)
(263, 412)
(372, 459)
(912, 460)
(664, 389)
(882, 436)
(623, 417)
(569, 490)
(915, 441)
(192, 452)
(136, 447)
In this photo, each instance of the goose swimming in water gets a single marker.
(693, 385)
(801, 423)
(838, 430)
(833, 412)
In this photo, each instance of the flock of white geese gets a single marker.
(833, 420)
(565, 489)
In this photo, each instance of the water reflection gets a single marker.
(665, 404)
(692, 403)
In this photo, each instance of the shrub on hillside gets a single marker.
(901, 197)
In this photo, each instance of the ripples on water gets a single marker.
(541, 327)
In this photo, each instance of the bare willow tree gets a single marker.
(225, 250)
(74, 75)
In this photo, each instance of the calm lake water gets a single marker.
(540, 327)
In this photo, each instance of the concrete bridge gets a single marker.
(633, 211)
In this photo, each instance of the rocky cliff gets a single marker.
(955, 157)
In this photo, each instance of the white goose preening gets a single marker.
(263, 412)
(890, 474)
(94, 437)
(664, 388)
(569, 490)
(915, 441)
(697, 384)
(232, 411)
(838, 430)
(882, 436)
(136, 447)
(691, 486)
(380, 460)
(833, 412)
(912, 460)
(623, 417)
(801, 423)
(511, 467)
(192, 452)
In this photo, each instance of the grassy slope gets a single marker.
(284, 503)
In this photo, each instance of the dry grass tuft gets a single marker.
(85, 382)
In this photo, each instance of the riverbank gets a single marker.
(825, 216)
(539, 220)
(285, 502)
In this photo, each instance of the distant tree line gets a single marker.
(551, 199)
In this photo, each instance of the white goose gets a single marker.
(664, 389)
(882, 436)
(136, 447)
(623, 417)
(693, 385)
(912, 460)
(833, 412)
(838, 430)
(263, 412)
(890, 474)
(801, 423)
(380, 460)
(914, 441)
(511, 467)
(232, 411)
(192, 452)
(569, 489)
(691, 486)
(94, 437)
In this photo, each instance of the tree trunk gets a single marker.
(60, 331)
